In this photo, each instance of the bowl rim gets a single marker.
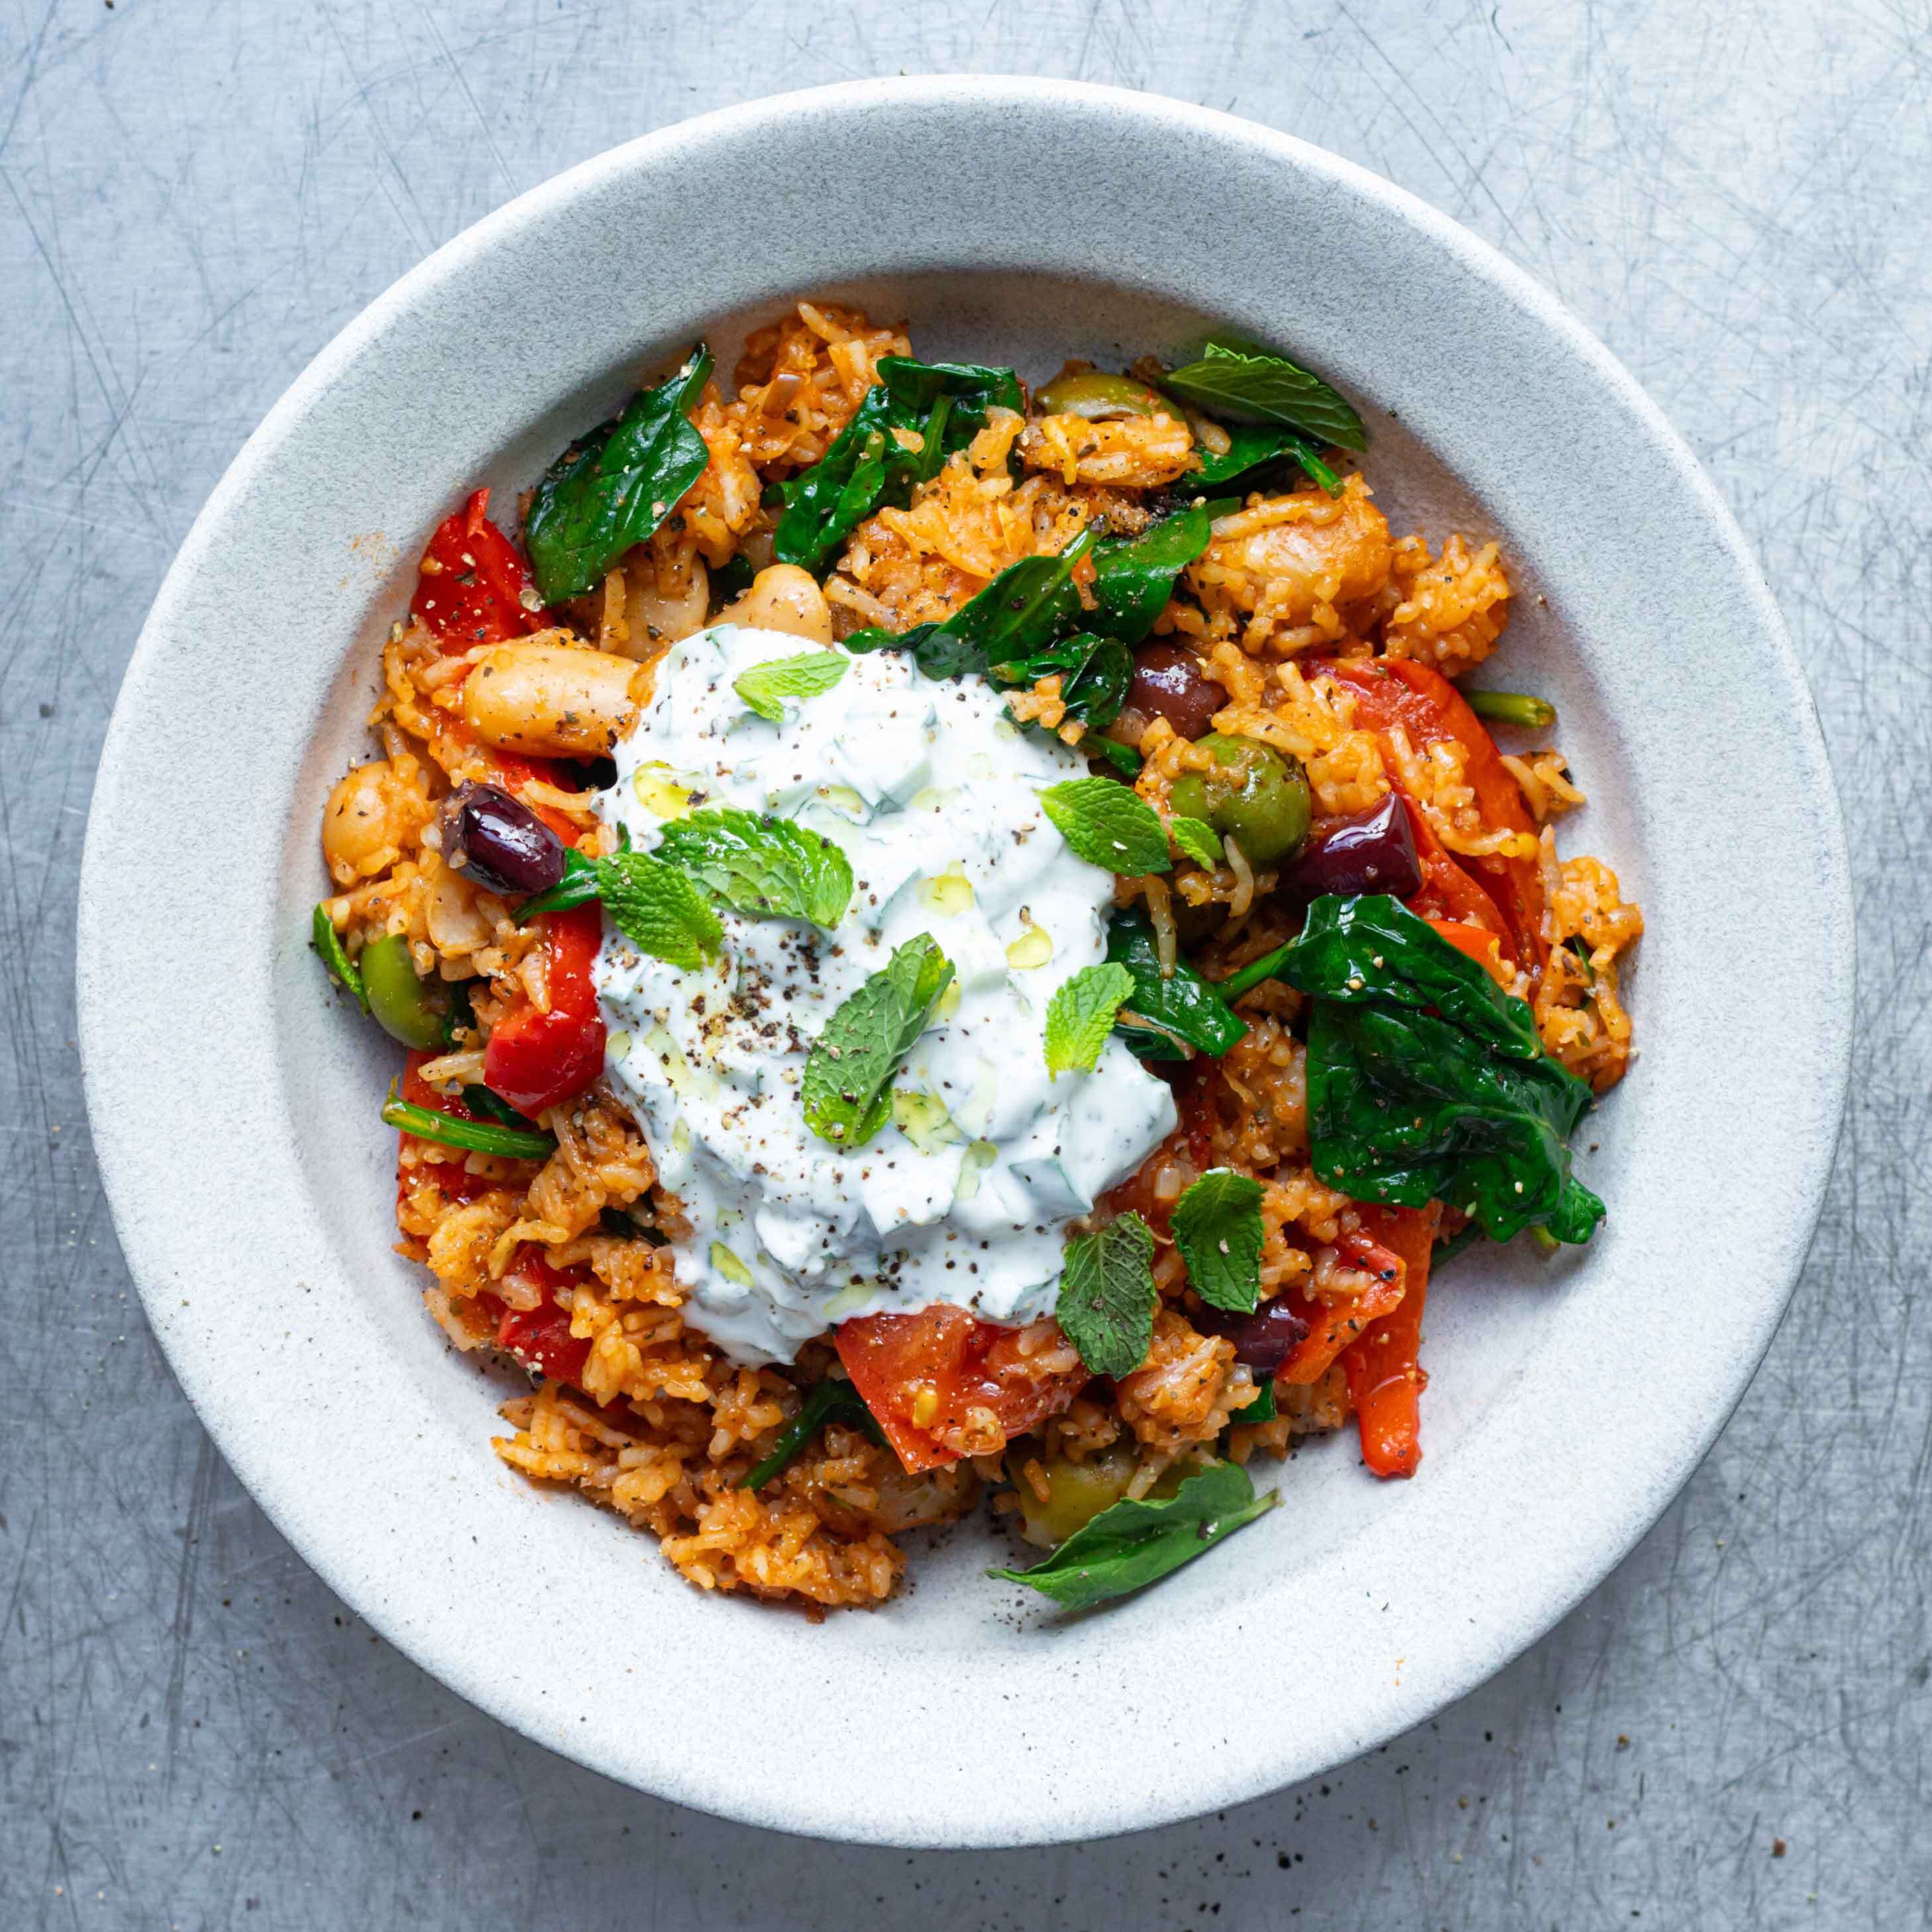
(120, 1154)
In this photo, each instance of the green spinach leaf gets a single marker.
(1179, 1011)
(1020, 612)
(613, 487)
(1426, 1081)
(1131, 1544)
(1256, 452)
(940, 406)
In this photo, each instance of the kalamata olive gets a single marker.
(1249, 793)
(498, 841)
(1371, 851)
(1263, 1340)
(1096, 395)
(1169, 683)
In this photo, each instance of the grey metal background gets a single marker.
(194, 198)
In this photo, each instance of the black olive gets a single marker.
(499, 842)
(1372, 851)
(1263, 1340)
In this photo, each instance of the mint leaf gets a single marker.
(846, 1088)
(1253, 386)
(1108, 824)
(1217, 1227)
(1106, 1307)
(658, 909)
(765, 686)
(1197, 839)
(1080, 1015)
(1131, 1544)
(764, 867)
(612, 488)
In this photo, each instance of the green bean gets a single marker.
(328, 942)
(475, 1136)
(1513, 707)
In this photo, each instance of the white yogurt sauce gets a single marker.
(932, 792)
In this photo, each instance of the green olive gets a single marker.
(1076, 1493)
(1096, 395)
(399, 1000)
(1251, 794)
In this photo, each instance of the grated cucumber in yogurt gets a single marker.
(932, 793)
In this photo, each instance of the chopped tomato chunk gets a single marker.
(474, 587)
(1484, 948)
(935, 1380)
(536, 1057)
(540, 1337)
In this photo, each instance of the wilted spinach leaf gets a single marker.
(1183, 1007)
(613, 487)
(941, 405)
(1255, 452)
(1427, 1081)
(1250, 386)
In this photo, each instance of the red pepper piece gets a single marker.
(536, 1059)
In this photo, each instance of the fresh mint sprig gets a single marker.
(1105, 1305)
(847, 1087)
(1135, 1542)
(1108, 824)
(1080, 1016)
(765, 687)
(764, 867)
(1217, 1227)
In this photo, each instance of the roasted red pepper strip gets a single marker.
(1448, 893)
(937, 1365)
(1391, 691)
(536, 1059)
(1385, 1377)
(540, 1338)
(1332, 1326)
(1482, 946)
(474, 587)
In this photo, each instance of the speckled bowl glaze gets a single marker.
(234, 1101)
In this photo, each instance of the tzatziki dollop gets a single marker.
(933, 793)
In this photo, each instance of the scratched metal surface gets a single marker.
(193, 1733)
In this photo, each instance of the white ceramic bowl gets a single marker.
(234, 1103)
